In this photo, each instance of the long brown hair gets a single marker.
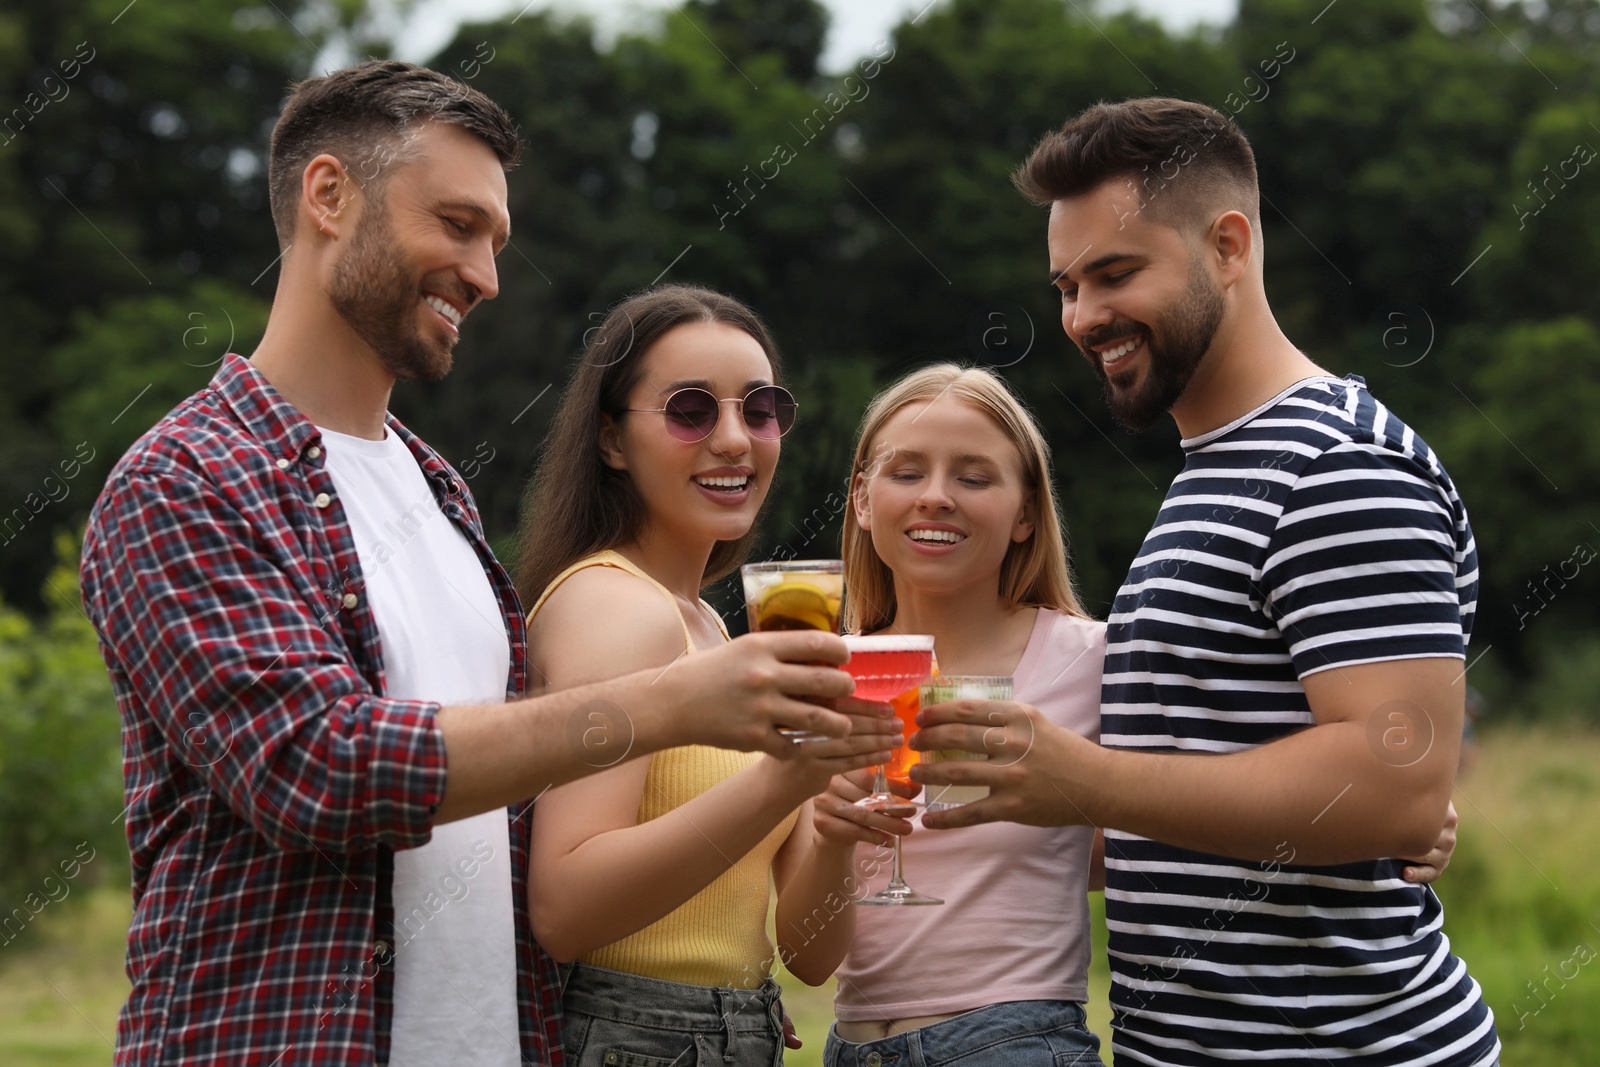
(1036, 573)
(576, 505)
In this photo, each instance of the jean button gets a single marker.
(874, 1060)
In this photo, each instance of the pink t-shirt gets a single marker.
(1015, 920)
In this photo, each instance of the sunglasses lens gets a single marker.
(691, 414)
(769, 411)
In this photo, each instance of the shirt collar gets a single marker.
(270, 419)
(286, 433)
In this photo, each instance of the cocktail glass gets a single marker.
(946, 687)
(891, 668)
(803, 594)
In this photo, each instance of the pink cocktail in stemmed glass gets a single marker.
(885, 666)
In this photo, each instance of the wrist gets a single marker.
(829, 852)
(788, 781)
(657, 711)
(1088, 788)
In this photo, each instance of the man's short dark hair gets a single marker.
(1186, 162)
(362, 116)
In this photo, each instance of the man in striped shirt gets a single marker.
(1284, 678)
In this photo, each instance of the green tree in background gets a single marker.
(1430, 223)
(1431, 216)
(134, 171)
(59, 739)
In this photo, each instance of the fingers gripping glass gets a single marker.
(692, 413)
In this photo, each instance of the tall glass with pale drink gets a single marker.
(944, 688)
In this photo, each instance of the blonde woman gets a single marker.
(955, 534)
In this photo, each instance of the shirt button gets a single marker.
(611, 1057)
(323, 500)
(351, 600)
(283, 464)
(314, 452)
(381, 948)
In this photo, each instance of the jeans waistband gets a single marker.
(630, 998)
(960, 1036)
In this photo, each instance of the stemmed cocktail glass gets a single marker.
(892, 668)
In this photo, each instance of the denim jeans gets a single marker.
(1024, 1033)
(623, 1020)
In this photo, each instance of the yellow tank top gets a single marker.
(718, 937)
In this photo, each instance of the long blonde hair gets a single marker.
(1035, 572)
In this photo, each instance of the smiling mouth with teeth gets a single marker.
(724, 484)
(941, 537)
(445, 308)
(1111, 357)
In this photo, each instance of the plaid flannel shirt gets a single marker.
(268, 778)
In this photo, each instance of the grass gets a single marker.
(1522, 901)
(61, 982)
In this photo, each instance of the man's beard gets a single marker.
(375, 290)
(1174, 348)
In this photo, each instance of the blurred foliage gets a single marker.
(1430, 208)
(60, 754)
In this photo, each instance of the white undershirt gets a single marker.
(444, 640)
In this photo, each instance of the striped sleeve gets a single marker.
(1362, 565)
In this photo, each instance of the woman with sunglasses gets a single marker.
(654, 874)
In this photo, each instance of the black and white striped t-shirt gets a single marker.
(1318, 531)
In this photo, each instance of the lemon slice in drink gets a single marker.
(796, 606)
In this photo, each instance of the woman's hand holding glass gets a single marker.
(839, 820)
(874, 733)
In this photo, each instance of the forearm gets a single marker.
(618, 882)
(500, 754)
(816, 920)
(1323, 791)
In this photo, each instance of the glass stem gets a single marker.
(880, 785)
(897, 880)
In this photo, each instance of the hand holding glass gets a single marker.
(890, 668)
(803, 594)
(940, 690)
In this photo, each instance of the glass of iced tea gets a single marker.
(891, 668)
(947, 687)
(801, 594)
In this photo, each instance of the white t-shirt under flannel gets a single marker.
(444, 639)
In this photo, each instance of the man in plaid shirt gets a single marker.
(321, 684)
